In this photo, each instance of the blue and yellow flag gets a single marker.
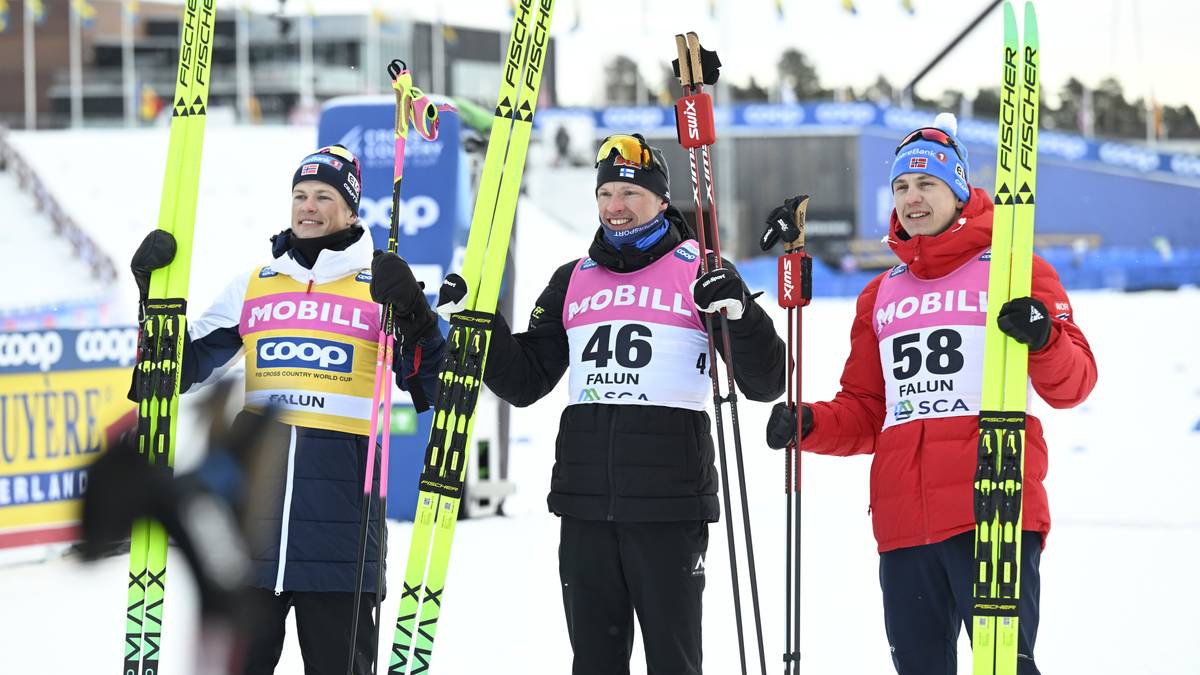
(908, 7)
(3, 15)
(130, 7)
(779, 9)
(849, 6)
(86, 12)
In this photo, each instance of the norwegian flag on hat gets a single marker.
(918, 163)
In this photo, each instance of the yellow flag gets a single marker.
(848, 5)
(37, 9)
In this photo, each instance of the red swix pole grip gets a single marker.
(795, 279)
(694, 121)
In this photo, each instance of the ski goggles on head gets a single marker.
(631, 148)
(930, 134)
(345, 154)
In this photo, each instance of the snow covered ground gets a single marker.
(1118, 574)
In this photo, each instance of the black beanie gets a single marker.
(337, 167)
(655, 179)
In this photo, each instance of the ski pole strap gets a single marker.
(415, 390)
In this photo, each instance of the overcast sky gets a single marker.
(1151, 46)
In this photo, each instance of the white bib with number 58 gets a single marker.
(931, 342)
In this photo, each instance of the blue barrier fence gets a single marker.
(1123, 269)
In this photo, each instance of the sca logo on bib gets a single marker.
(296, 352)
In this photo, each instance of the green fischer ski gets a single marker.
(1000, 470)
(163, 324)
(461, 371)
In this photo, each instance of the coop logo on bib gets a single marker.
(310, 353)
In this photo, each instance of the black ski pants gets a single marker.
(928, 595)
(322, 626)
(611, 571)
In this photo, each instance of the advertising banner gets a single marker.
(59, 391)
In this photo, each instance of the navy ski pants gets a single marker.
(928, 595)
(322, 626)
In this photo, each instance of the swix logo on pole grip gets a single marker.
(795, 280)
(694, 121)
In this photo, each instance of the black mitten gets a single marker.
(1026, 321)
(781, 425)
(156, 251)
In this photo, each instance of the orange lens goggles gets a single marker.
(631, 147)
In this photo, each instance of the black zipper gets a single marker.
(612, 486)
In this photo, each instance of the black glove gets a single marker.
(781, 224)
(781, 425)
(720, 289)
(156, 251)
(452, 297)
(393, 283)
(1026, 321)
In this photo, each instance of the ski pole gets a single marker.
(794, 293)
(413, 108)
(694, 123)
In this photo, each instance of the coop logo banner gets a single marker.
(43, 351)
(311, 353)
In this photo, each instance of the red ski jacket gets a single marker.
(923, 470)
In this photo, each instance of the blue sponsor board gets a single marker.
(434, 218)
(305, 352)
(764, 117)
(64, 349)
(430, 210)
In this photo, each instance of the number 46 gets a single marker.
(632, 350)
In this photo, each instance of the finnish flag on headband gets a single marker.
(626, 172)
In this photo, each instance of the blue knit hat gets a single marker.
(945, 161)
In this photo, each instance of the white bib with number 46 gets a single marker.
(636, 338)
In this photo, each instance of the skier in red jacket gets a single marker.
(910, 394)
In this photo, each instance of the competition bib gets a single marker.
(931, 342)
(636, 338)
(310, 353)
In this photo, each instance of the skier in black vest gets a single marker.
(634, 480)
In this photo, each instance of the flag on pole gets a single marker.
(130, 7)
(86, 12)
(908, 7)
(849, 6)
(3, 15)
(378, 16)
(779, 9)
(36, 9)
(712, 9)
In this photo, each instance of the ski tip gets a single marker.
(1031, 29)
